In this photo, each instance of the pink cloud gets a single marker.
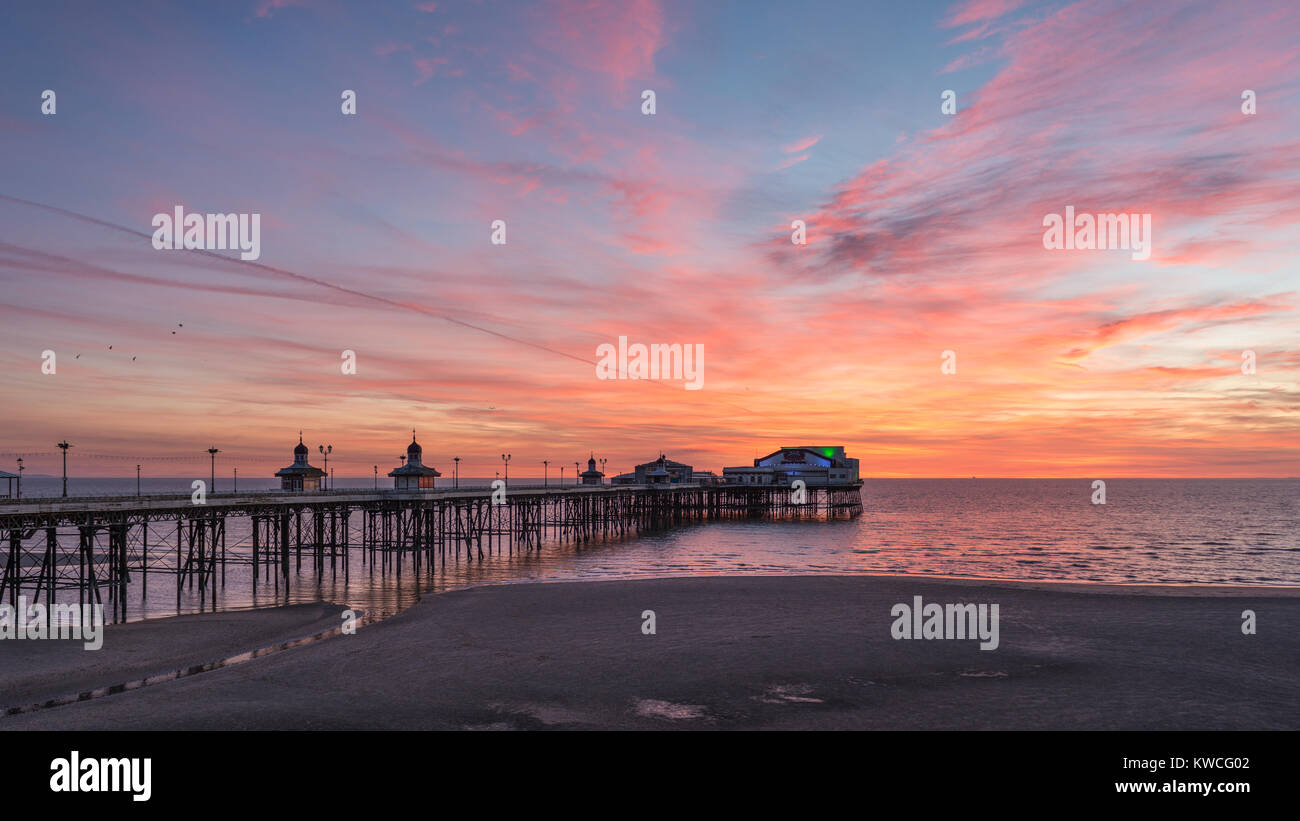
(518, 72)
(969, 59)
(617, 40)
(1139, 325)
(948, 196)
(974, 11)
(428, 66)
(979, 32)
(801, 145)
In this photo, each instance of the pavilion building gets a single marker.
(591, 476)
(414, 474)
(300, 476)
(663, 471)
(817, 465)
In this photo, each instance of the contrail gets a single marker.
(285, 273)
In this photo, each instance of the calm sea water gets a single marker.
(1205, 531)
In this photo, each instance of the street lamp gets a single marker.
(326, 450)
(236, 480)
(561, 475)
(455, 480)
(545, 466)
(505, 457)
(20, 477)
(602, 470)
(137, 479)
(576, 478)
(376, 477)
(212, 486)
(63, 446)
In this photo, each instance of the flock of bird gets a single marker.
(110, 347)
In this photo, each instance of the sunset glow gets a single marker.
(924, 235)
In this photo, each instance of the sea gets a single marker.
(1149, 531)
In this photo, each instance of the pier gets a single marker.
(94, 545)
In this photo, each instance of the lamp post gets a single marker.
(577, 478)
(376, 477)
(561, 475)
(20, 477)
(602, 470)
(212, 486)
(505, 457)
(331, 480)
(236, 480)
(137, 480)
(455, 480)
(326, 450)
(545, 467)
(63, 446)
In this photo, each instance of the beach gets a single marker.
(736, 652)
(34, 672)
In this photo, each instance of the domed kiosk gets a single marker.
(300, 476)
(414, 475)
(591, 476)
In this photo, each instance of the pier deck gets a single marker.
(94, 544)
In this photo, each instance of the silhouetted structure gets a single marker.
(814, 465)
(414, 475)
(663, 471)
(300, 476)
(591, 476)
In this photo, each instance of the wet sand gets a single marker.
(32, 672)
(784, 652)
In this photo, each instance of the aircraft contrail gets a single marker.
(285, 273)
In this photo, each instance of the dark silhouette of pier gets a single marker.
(94, 545)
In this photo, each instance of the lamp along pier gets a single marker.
(98, 546)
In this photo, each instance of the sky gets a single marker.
(922, 325)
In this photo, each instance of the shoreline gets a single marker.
(802, 651)
(1205, 589)
(36, 675)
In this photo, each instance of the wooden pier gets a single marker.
(94, 544)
